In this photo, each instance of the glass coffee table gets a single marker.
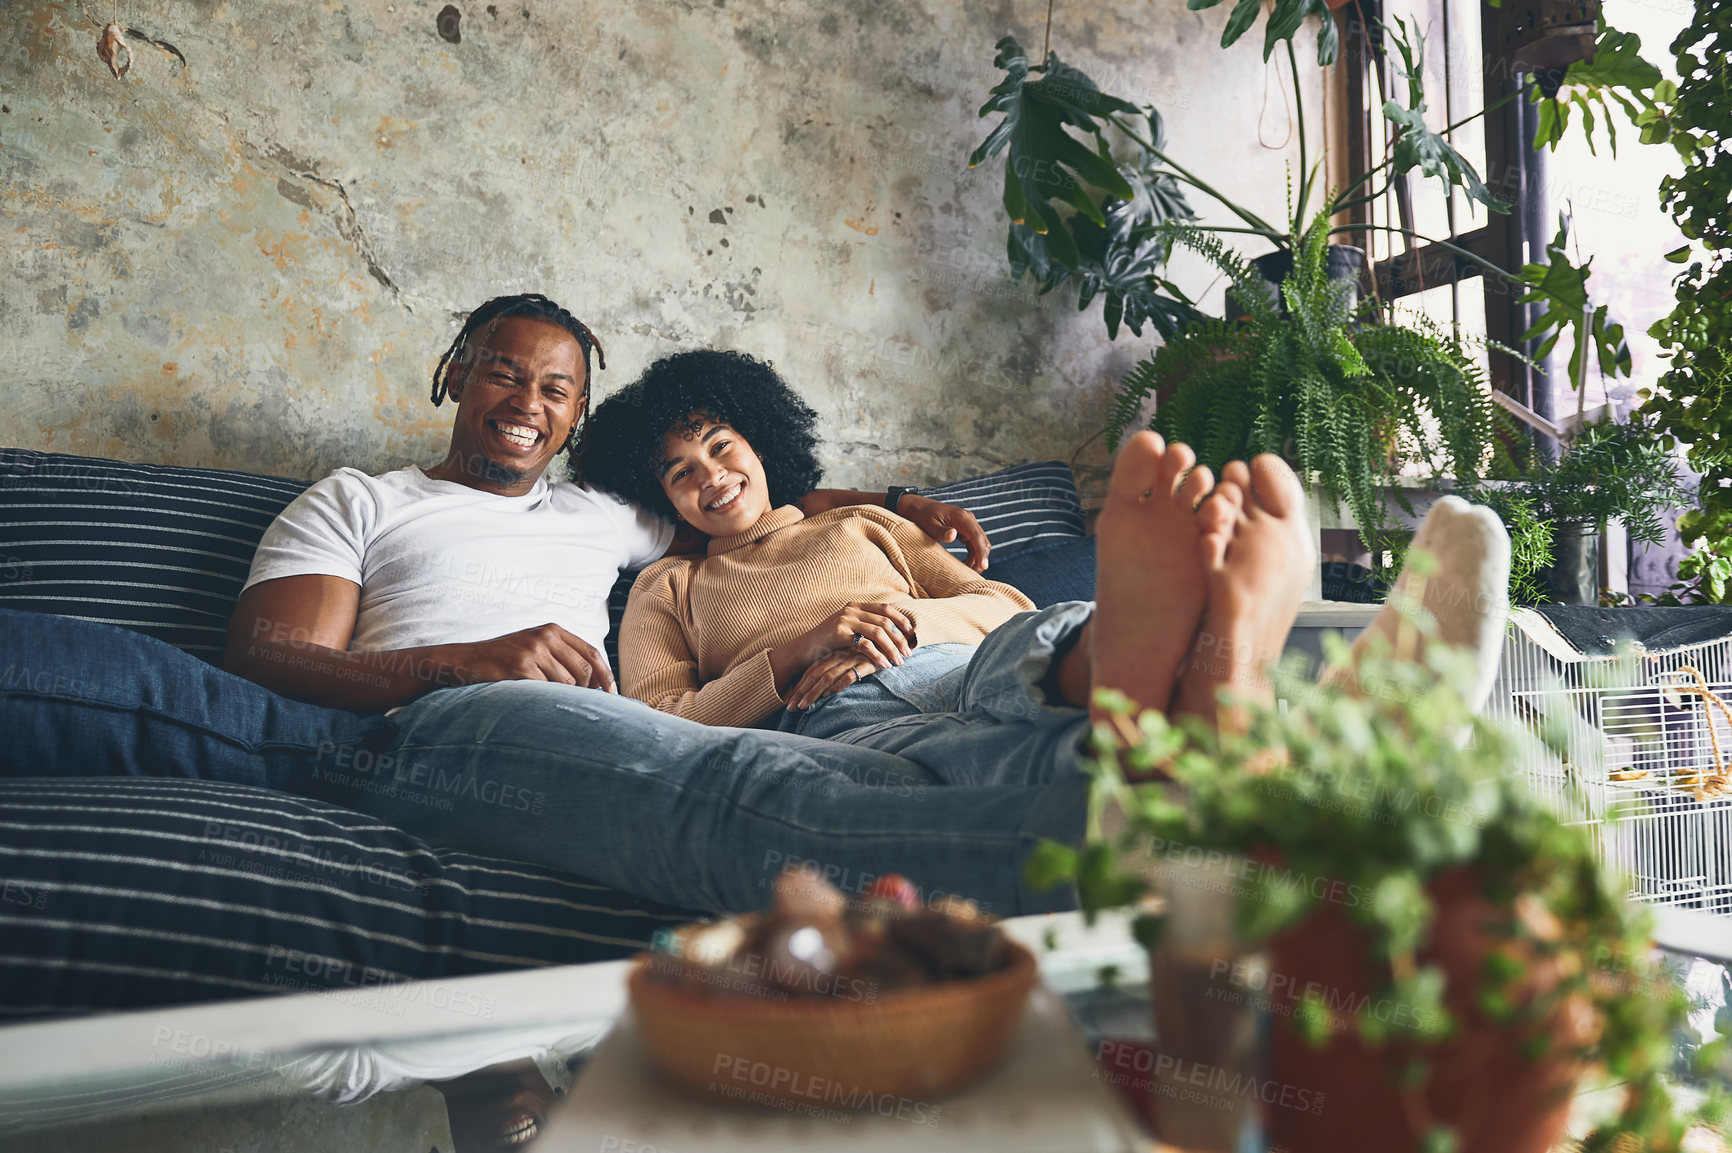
(548, 1060)
(449, 1065)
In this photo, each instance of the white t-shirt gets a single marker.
(442, 563)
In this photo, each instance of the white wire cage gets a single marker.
(1647, 744)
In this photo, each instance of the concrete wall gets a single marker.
(250, 250)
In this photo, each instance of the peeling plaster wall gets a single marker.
(250, 251)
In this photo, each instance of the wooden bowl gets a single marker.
(856, 1049)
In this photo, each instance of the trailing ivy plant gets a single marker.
(1692, 403)
(1377, 787)
(1345, 400)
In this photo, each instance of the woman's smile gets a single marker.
(712, 476)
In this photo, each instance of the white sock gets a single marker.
(1466, 593)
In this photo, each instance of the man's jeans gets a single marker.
(79, 698)
(590, 782)
(706, 817)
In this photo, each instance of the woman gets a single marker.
(785, 609)
(858, 629)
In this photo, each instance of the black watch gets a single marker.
(894, 496)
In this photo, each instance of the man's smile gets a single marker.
(521, 435)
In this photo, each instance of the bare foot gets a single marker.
(1150, 590)
(1256, 574)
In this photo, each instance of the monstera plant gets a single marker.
(1088, 179)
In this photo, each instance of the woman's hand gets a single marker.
(829, 675)
(878, 634)
(944, 523)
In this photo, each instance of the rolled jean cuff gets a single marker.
(1005, 677)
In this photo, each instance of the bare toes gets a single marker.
(1138, 467)
(1236, 473)
(1276, 489)
(1196, 485)
(1177, 461)
(1216, 518)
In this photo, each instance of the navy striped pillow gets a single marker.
(1026, 506)
(120, 893)
(160, 549)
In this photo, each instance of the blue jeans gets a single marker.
(954, 799)
(596, 784)
(84, 699)
(972, 716)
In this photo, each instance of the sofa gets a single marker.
(129, 879)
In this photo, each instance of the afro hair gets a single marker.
(624, 452)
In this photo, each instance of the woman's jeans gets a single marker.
(607, 788)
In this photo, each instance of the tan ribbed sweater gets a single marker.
(698, 631)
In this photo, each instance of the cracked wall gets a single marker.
(250, 250)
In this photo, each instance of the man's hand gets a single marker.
(945, 523)
(829, 675)
(544, 653)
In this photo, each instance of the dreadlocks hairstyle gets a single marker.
(536, 307)
(676, 392)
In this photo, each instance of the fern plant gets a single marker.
(1350, 403)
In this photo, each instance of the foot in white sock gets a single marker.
(1465, 592)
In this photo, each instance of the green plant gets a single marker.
(1096, 201)
(1530, 538)
(1060, 231)
(1609, 470)
(1376, 787)
(1346, 400)
(1088, 181)
(1693, 401)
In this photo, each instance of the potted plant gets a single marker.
(1088, 180)
(1609, 470)
(1348, 401)
(1384, 860)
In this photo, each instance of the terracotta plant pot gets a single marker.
(1497, 1100)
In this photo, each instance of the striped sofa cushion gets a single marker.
(123, 893)
(160, 549)
(1026, 506)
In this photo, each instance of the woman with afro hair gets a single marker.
(785, 608)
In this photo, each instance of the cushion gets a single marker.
(160, 549)
(1060, 570)
(125, 893)
(1020, 507)
(164, 550)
